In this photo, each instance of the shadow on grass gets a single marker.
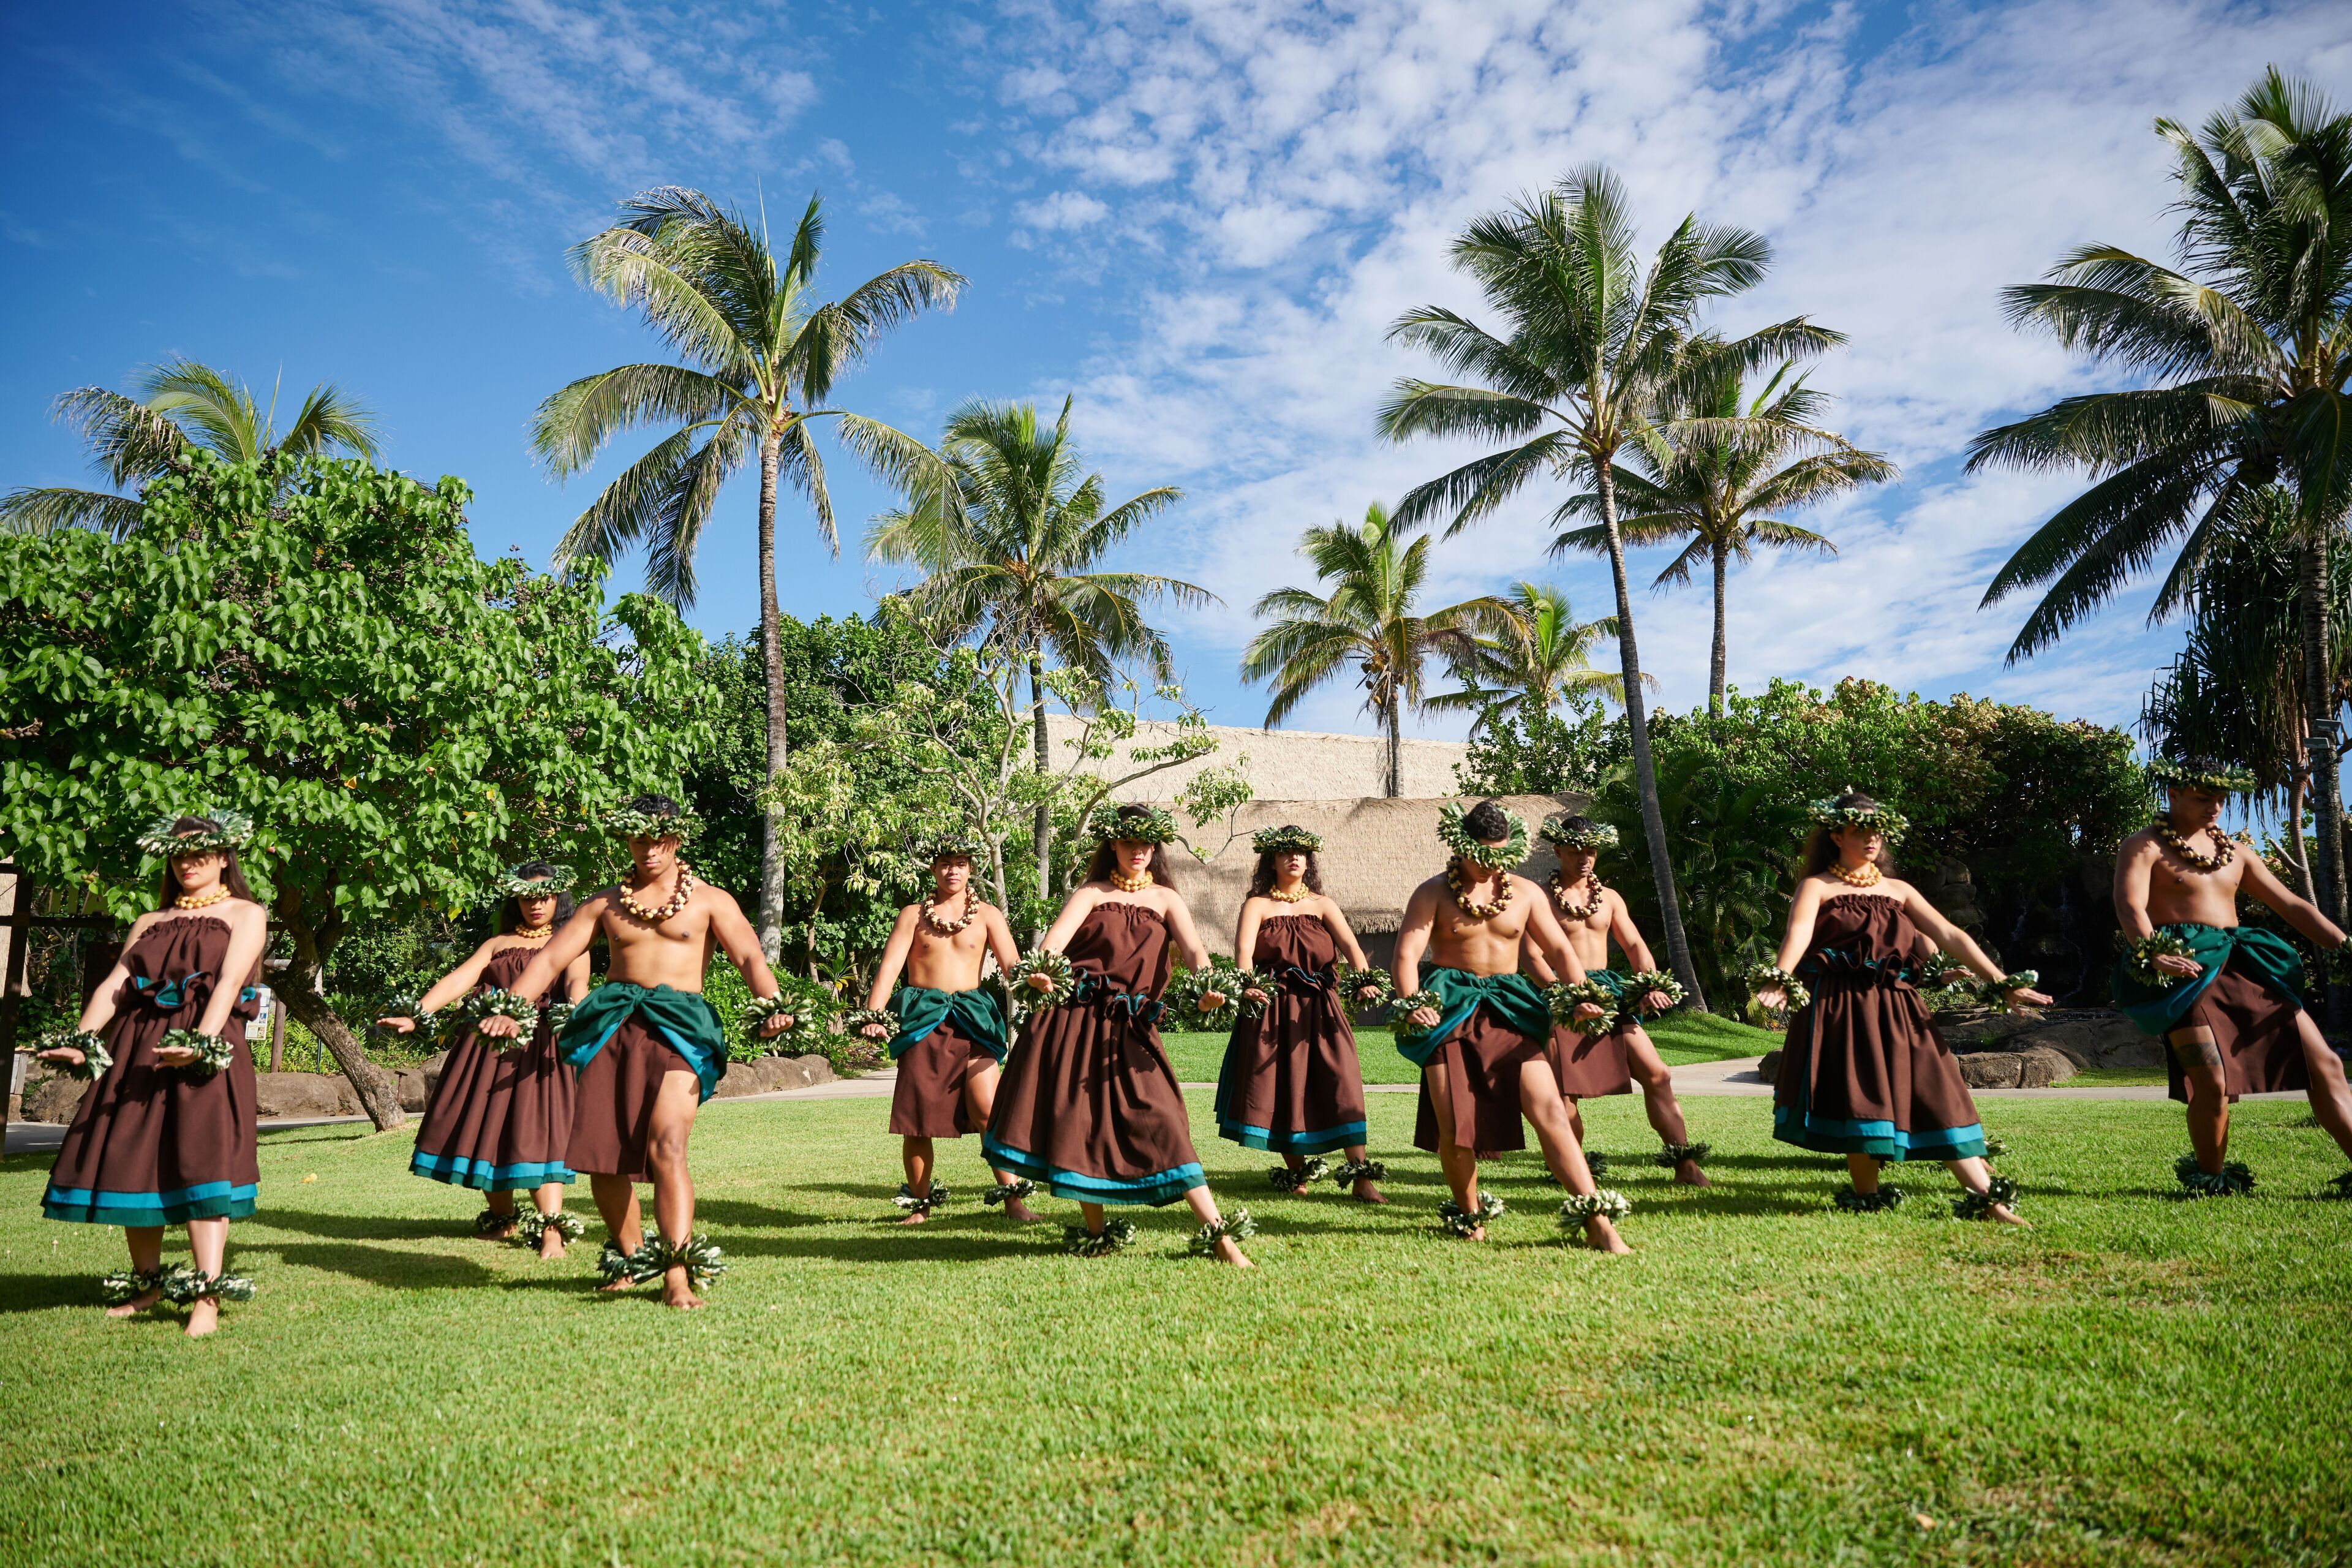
(931, 1243)
(372, 1226)
(40, 1292)
(381, 1266)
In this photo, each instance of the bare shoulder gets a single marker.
(2137, 845)
(1431, 887)
(245, 915)
(721, 900)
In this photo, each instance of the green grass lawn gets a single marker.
(1681, 1037)
(2139, 1381)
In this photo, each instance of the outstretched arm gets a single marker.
(1544, 933)
(1342, 933)
(1628, 936)
(1000, 937)
(1794, 941)
(1246, 949)
(1187, 936)
(565, 948)
(100, 1011)
(443, 991)
(894, 957)
(1065, 926)
(2297, 911)
(2134, 865)
(1533, 960)
(249, 932)
(1953, 939)
(1412, 941)
(740, 944)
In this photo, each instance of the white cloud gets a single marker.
(1064, 210)
(1305, 170)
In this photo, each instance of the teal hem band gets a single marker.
(207, 1200)
(1157, 1191)
(1837, 1136)
(1322, 1141)
(460, 1171)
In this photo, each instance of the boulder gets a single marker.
(415, 1088)
(770, 1074)
(1973, 1031)
(1769, 1070)
(50, 1095)
(2038, 1067)
(2085, 1037)
(303, 1094)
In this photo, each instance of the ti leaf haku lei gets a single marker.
(2148, 948)
(499, 1003)
(213, 1053)
(1116, 1235)
(954, 846)
(1453, 831)
(2232, 1180)
(699, 1255)
(186, 1286)
(1854, 1202)
(1580, 1207)
(1556, 829)
(1672, 1155)
(1350, 1171)
(1184, 995)
(1055, 966)
(857, 1023)
(1563, 999)
(534, 1226)
(515, 885)
(1277, 840)
(677, 900)
(1236, 1227)
(236, 831)
(489, 1222)
(809, 1018)
(1999, 1192)
(2190, 774)
(1149, 825)
(1010, 1192)
(1763, 976)
(1350, 982)
(95, 1057)
(1283, 1179)
(937, 1194)
(630, 823)
(130, 1284)
(1890, 824)
(1462, 1221)
(1641, 982)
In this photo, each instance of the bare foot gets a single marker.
(918, 1217)
(2007, 1215)
(203, 1317)
(550, 1243)
(677, 1292)
(1688, 1174)
(1019, 1212)
(622, 1283)
(1366, 1192)
(503, 1231)
(1227, 1252)
(1475, 1233)
(1602, 1237)
(136, 1305)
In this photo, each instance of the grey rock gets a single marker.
(1973, 1031)
(415, 1088)
(51, 1095)
(303, 1094)
(2038, 1067)
(1769, 1070)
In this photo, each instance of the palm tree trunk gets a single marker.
(1045, 824)
(772, 660)
(2298, 790)
(1645, 773)
(2319, 705)
(1715, 671)
(1396, 751)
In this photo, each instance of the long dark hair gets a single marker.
(510, 912)
(1099, 870)
(1821, 850)
(1262, 880)
(167, 891)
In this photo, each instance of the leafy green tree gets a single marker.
(1370, 620)
(762, 355)
(183, 406)
(1710, 469)
(1011, 554)
(315, 642)
(2246, 343)
(1591, 342)
(1538, 657)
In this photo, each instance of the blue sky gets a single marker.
(1198, 219)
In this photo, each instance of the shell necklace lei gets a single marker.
(201, 900)
(1297, 895)
(2224, 849)
(535, 934)
(949, 928)
(676, 901)
(1126, 884)
(1867, 875)
(1462, 900)
(1584, 911)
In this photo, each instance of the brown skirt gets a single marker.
(928, 1101)
(153, 1145)
(613, 1109)
(500, 1119)
(1590, 1065)
(2262, 1047)
(1089, 1106)
(1481, 1061)
(1865, 1072)
(1290, 1083)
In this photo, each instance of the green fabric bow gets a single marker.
(978, 1014)
(686, 1019)
(1456, 993)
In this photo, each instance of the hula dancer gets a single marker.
(165, 1133)
(647, 1046)
(1864, 1073)
(1482, 1033)
(1290, 1083)
(945, 1032)
(1620, 1054)
(1090, 1105)
(2226, 998)
(501, 1116)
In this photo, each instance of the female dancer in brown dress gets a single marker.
(1088, 1104)
(165, 1135)
(500, 1118)
(1864, 1073)
(1291, 1083)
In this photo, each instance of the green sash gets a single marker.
(2159, 1009)
(921, 1010)
(684, 1019)
(1456, 993)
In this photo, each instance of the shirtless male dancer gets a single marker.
(2225, 998)
(1483, 1027)
(647, 1046)
(1593, 915)
(950, 1035)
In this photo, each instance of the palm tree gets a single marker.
(1369, 619)
(1011, 557)
(1592, 342)
(1709, 470)
(2249, 342)
(183, 405)
(1538, 655)
(763, 356)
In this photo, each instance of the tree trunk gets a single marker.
(1645, 773)
(772, 660)
(1396, 750)
(1714, 685)
(2319, 706)
(378, 1094)
(1043, 827)
(2298, 852)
